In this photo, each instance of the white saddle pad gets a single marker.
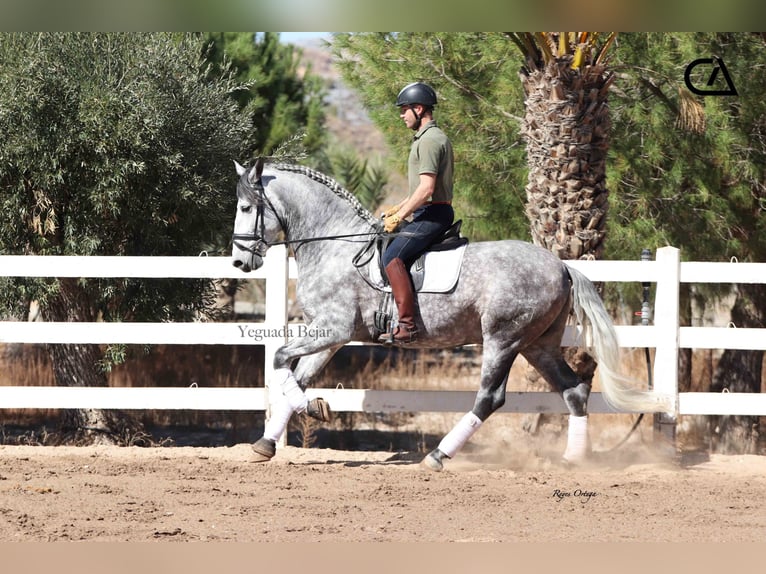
(440, 271)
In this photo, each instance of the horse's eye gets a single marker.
(246, 208)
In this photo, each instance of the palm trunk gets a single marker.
(566, 126)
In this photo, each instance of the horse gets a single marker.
(512, 297)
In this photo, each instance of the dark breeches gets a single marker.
(428, 223)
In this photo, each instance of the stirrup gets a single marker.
(386, 338)
(319, 409)
(389, 338)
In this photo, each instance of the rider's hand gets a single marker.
(389, 211)
(391, 223)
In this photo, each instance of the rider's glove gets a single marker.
(389, 211)
(391, 223)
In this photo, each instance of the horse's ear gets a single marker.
(239, 168)
(255, 173)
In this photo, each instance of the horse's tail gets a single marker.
(600, 339)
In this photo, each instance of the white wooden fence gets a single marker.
(665, 336)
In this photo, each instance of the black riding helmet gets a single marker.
(416, 93)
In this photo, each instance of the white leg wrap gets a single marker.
(577, 439)
(280, 414)
(295, 395)
(459, 435)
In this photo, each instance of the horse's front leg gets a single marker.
(288, 388)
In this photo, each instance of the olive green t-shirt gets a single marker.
(431, 152)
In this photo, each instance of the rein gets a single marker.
(259, 239)
(372, 234)
(261, 245)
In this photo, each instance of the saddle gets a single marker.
(436, 271)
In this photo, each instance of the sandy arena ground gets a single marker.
(320, 495)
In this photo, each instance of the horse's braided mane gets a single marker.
(334, 186)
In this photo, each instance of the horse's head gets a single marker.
(256, 223)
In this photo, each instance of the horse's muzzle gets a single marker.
(248, 264)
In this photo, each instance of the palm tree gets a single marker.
(566, 128)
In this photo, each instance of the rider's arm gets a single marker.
(420, 196)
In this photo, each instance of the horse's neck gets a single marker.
(315, 204)
(321, 214)
(324, 220)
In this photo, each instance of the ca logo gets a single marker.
(718, 65)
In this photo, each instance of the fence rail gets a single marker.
(666, 336)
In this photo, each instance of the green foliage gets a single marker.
(700, 190)
(284, 101)
(480, 105)
(367, 182)
(288, 110)
(116, 144)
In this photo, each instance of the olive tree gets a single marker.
(112, 144)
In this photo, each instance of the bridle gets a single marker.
(260, 245)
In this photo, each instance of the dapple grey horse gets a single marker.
(512, 298)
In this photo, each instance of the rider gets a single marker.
(429, 201)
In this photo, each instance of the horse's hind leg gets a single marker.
(550, 363)
(496, 365)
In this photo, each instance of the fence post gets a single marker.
(667, 322)
(276, 271)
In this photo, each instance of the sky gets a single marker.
(299, 37)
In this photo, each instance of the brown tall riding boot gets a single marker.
(401, 286)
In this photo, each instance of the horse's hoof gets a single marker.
(570, 461)
(264, 450)
(433, 460)
(319, 409)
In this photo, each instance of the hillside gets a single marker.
(347, 121)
